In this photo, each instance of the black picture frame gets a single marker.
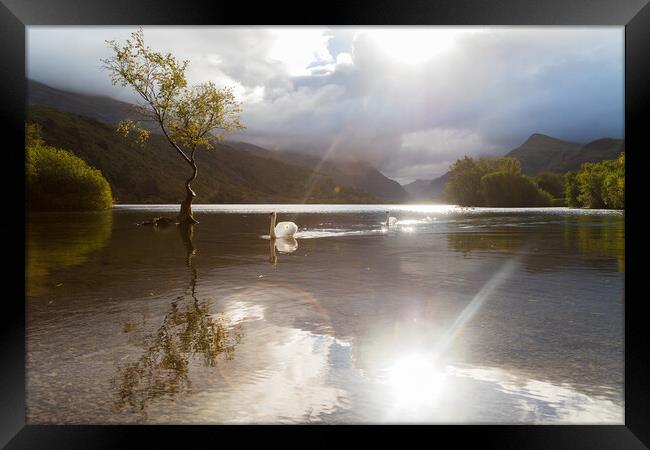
(15, 15)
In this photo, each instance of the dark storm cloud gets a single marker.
(398, 99)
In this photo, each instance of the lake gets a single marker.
(453, 315)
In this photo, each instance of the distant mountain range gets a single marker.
(67, 115)
(241, 172)
(541, 153)
(418, 189)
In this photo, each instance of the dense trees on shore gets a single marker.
(598, 185)
(500, 182)
(58, 180)
(493, 182)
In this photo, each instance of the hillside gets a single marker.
(153, 173)
(357, 174)
(542, 153)
(104, 109)
(437, 188)
(595, 151)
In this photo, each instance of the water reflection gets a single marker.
(541, 401)
(187, 332)
(600, 238)
(283, 245)
(350, 329)
(54, 241)
(468, 242)
(290, 367)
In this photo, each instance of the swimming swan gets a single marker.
(390, 220)
(283, 229)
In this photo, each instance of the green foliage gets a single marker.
(590, 182)
(598, 185)
(571, 190)
(508, 189)
(553, 183)
(493, 182)
(187, 115)
(58, 180)
(614, 183)
(464, 186)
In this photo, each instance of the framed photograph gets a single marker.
(381, 213)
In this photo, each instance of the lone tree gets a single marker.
(190, 117)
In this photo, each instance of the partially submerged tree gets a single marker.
(189, 117)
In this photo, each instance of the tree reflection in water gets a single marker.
(607, 240)
(187, 331)
(598, 239)
(53, 241)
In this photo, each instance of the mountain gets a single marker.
(104, 109)
(542, 153)
(154, 173)
(427, 190)
(357, 174)
(353, 174)
(419, 189)
(437, 188)
(598, 150)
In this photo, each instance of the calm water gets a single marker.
(454, 316)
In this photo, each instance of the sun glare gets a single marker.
(415, 381)
(414, 46)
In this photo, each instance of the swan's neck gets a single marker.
(387, 220)
(272, 231)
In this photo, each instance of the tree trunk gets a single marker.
(185, 216)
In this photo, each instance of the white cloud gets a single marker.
(408, 100)
(298, 48)
(344, 58)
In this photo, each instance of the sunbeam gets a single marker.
(475, 305)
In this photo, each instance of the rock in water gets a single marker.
(163, 221)
(158, 222)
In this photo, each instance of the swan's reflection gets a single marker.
(286, 245)
(282, 245)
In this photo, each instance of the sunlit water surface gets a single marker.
(451, 316)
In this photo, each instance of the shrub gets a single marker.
(58, 180)
(507, 189)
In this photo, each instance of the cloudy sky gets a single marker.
(409, 100)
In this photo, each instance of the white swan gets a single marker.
(390, 220)
(283, 229)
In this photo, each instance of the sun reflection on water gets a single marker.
(415, 381)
